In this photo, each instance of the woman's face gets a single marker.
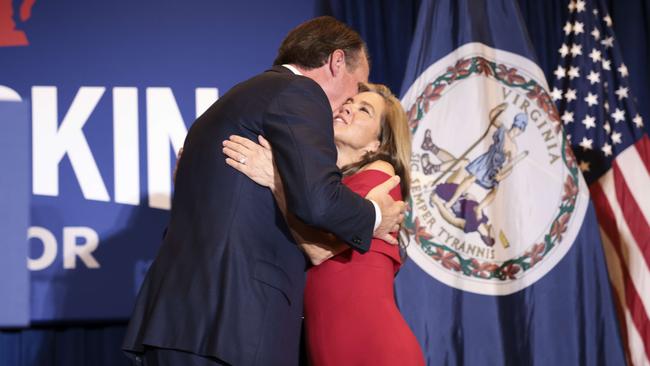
(357, 121)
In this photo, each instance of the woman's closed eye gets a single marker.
(367, 108)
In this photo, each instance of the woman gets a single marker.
(350, 313)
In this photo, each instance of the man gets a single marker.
(226, 287)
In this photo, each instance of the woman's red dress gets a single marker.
(350, 313)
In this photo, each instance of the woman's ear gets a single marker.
(373, 146)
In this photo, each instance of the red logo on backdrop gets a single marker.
(9, 35)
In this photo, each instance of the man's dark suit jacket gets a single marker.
(228, 279)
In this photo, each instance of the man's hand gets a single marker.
(392, 212)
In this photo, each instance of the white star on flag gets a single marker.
(621, 92)
(608, 42)
(623, 70)
(607, 127)
(607, 149)
(556, 94)
(560, 72)
(591, 99)
(570, 95)
(572, 6)
(595, 33)
(589, 122)
(578, 28)
(638, 121)
(606, 64)
(584, 166)
(574, 72)
(567, 28)
(567, 117)
(618, 115)
(576, 50)
(564, 50)
(586, 143)
(580, 6)
(595, 55)
(608, 20)
(616, 137)
(594, 77)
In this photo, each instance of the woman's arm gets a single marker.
(256, 162)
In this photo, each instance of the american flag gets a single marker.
(606, 132)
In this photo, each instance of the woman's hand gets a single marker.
(252, 159)
(319, 253)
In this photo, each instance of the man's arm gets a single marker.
(319, 246)
(298, 123)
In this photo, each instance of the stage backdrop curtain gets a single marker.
(387, 26)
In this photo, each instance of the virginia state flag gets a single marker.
(505, 266)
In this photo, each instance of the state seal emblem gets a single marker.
(497, 198)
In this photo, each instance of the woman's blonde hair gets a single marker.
(394, 138)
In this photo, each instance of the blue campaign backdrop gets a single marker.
(14, 213)
(112, 88)
(124, 79)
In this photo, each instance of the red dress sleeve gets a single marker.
(361, 183)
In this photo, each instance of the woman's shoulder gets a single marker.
(369, 177)
(380, 165)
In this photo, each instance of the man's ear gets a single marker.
(337, 62)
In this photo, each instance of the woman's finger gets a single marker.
(264, 142)
(251, 145)
(235, 155)
(237, 165)
(240, 149)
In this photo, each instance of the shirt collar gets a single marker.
(293, 69)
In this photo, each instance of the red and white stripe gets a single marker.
(622, 200)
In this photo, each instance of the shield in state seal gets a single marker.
(497, 198)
